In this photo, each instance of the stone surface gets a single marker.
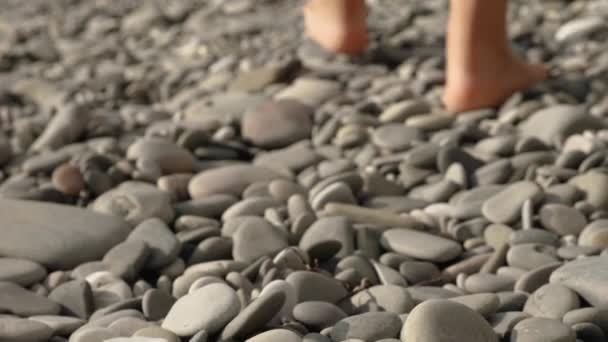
(505, 206)
(588, 277)
(209, 308)
(22, 302)
(542, 329)
(420, 245)
(433, 320)
(21, 271)
(231, 179)
(57, 236)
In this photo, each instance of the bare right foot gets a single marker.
(483, 88)
(337, 25)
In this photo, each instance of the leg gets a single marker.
(337, 25)
(482, 71)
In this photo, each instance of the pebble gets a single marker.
(485, 304)
(333, 228)
(371, 326)
(165, 155)
(562, 219)
(60, 325)
(23, 330)
(433, 320)
(22, 302)
(75, 297)
(274, 335)
(68, 179)
(595, 235)
(395, 137)
(291, 297)
(290, 121)
(587, 276)
(126, 259)
(542, 329)
(552, 301)
(531, 255)
(254, 316)
(390, 298)
(577, 29)
(31, 231)
(310, 91)
(157, 332)
(255, 238)
(20, 271)
(162, 244)
(554, 124)
(420, 245)
(135, 202)
(209, 308)
(156, 304)
(311, 286)
(232, 179)
(505, 206)
(318, 315)
(592, 184)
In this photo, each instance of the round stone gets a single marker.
(433, 320)
(420, 245)
(587, 276)
(166, 155)
(542, 329)
(562, 219)
(396, 137)
(156, 304)
(256, 237)
(505, 206)
(276, 335)
(595, 235)
(552, 301)
(371, 326)
(21, 271)
(276, 124)
(254, 316)
(68, 179)
(312, 286)
(391, 298)
(318, 315)
(209, 308)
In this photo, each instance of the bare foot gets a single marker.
(337, 25)
(475, 89)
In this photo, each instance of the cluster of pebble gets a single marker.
(176, 171)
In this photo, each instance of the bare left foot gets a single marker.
(489, 87)
(337, 25)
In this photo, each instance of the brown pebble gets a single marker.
(68, 179)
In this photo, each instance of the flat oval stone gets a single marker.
(60, 325)
(505, 206)
(485, 304)
(391, 298)
(288, 291)
(126, 259)
(57, 236)
(578, 28)
(338, 192)
(587, 276)
(529, 256)
(209, 308)
(167, 155)
(275, 335)
(255, 238)
(595, 235)
(542, 329)
(552, 301)
(21, 302)
(420, 245)
(135, 202)
(23, 330)
(592, 184)
(332, 228)
(21, 271)
(254, 316)
(562, 219)
(75, 297)
(433, 320)
(312, 286)
(232, 179)
(156, 304)
(371, 326)
(554, 124)
(162, 243)
(157, 332)
(276, 124)
(418, 271)
(396, 137)
(318, 315)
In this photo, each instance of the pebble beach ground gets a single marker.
(192, 171)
